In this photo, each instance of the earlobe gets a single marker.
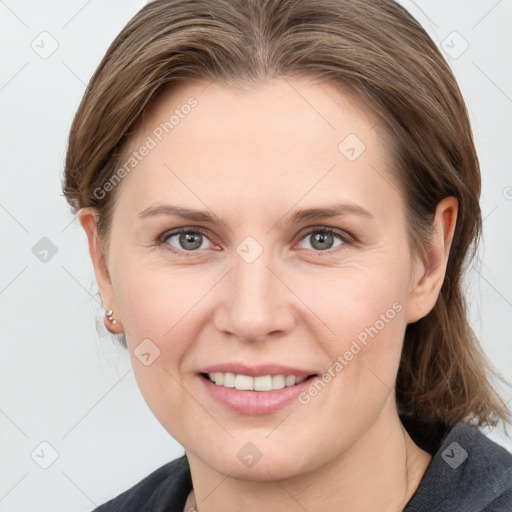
(428, 275)
(111, 324)
(88, 218)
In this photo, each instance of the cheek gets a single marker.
(154, 302)
(371, 318)
(153, 306)
(163, 312)
(357, 303)
(366, 310)
(160, 333)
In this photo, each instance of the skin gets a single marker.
(252, 157)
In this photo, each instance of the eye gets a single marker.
(324, 239)
(193, 240)
(187, 240)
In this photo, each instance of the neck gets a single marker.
(382, 469)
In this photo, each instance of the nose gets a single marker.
(256, 303)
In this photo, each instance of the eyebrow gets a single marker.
(296, 217)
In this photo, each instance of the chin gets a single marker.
(258, 465)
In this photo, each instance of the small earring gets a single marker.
(108, 314)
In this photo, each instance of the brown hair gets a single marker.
(378, 51)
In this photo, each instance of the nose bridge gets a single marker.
(253, 281)
(257, 303)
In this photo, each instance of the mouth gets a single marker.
(257, 394)
(263, 383)
(255, 389)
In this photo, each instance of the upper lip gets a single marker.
(257, 370)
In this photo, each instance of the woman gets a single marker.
(280, 198)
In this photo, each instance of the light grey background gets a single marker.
(64, 384)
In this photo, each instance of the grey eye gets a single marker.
(321, 240)
(187, 240)
(191, 241)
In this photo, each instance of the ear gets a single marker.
(428, 275)
(88, 218)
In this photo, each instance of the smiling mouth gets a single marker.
(260, 383)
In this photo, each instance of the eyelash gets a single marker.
(342, 235)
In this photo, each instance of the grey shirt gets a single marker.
(468, 473)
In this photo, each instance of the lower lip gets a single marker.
(254, 402)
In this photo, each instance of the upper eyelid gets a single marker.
(335, 231)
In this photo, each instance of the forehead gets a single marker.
(277, 139)
(303, 106)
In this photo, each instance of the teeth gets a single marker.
(263, 383)
(247, 383)
(289, 380)
(229, 380)
(244, 382)
(278, 382)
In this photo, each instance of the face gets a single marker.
(299, 264)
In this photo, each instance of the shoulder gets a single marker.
(468, 472)
(165, 489)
